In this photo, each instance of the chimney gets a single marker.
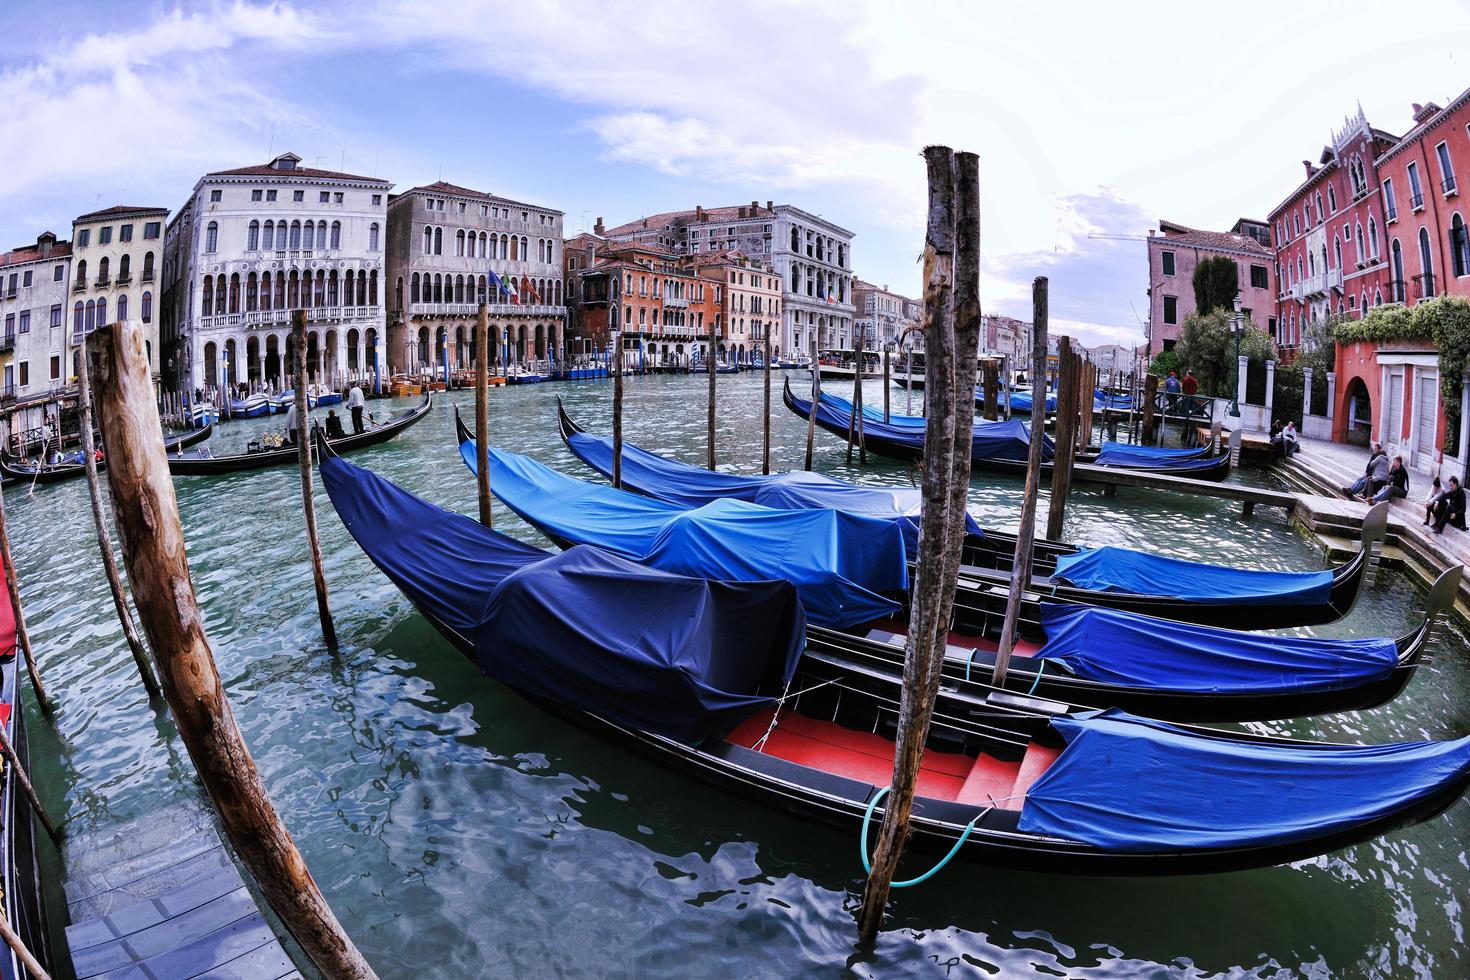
(1423, 112)
(742, 210)
(754, 207)
(769, 206)
(598, 228)
(699, 212)
(1415, 109)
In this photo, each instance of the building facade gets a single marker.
(451, 248)
(35, 292)
(117, 258)
(252, 244)
(747, 298)
(812, 257)
(1174, 253)
(1005, 336)
(883, 316)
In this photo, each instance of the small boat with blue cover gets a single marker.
(252, 406)
(71, 465)
(728, 688)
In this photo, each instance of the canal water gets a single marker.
(460, 832)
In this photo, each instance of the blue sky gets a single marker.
(1088, 118)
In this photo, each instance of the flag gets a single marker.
(830, 300)
(531, 288)
(505, 290)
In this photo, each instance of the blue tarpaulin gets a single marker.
(839, 563)
(1118, 647)
(678, 656)
(992, 440)
(1154, 457)
(1125, 783)
(1112, 569)
(1021, 400)
(694, 486)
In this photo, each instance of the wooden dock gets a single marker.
(1249, 497)
(163, 898)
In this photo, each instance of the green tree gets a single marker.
(1202, 345)
(1166, 361)
(1216, 281)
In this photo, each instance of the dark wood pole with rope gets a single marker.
(22, 634)
(1026, 533)
(766, 421)
(710, 364)
(104, 540)
(1066, 437)
(482, 413)
(147, 516)
(951, 297)
(303, 459)
(617, 422)
(811, 418)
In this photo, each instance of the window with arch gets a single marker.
(1332, 197)
(1372, 238)
(337, 234)
(122, 307)
(78, 325)
(459, 242)
(211, 237)
(1321, 215)
(321, 235)
(515, 249)
(373, 237)
(1426, 265)
(82, 273)
(268, 240)
(124, 268)
(1459, 246)
(252, 239)
(102, 312)
(1337, 252)
(413, 288)
(438, 241)
(309, 233)
(102, 270)
(428, 240)
(1396, 288)
(91, 316)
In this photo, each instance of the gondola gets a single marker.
(728, 690)
(998, 446)
(203, 463)
(1110, 577)
(56, 473)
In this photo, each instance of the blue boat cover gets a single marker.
(1112, 569)
(1129, 784)
(1154, 457)
(1021, 400)
(678, 656)
(1117, 647)
(992, 440)
(839, 563)
(694, 486)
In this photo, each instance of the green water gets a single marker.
(459, 832)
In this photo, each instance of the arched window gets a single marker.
(102, 312)
(334, 292)
(91, 316)
(1372, 238)
(211, 237)
(77, 323)
(795, 239)
(122, 307)
(438, 241)
(515, 248)
(1397, 286)
(525, 248)
(235, 292)
(373, 237)
(310, 234)
(1337, 251)
(321, 235)
(480, 297)
(82, 272)
(295, 234)
(102, 269)
(1426, 265)
(372, 296)
(1459, 246)
(268, 240)
(124, 268)
(337, 234)
(280, 236)
(253, 239)
(252, 293)
(428, 240)
(459, 243)
(438, 288)
(413, 288)
(483, 239)
(505, 246)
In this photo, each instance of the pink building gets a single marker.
(1173, 254)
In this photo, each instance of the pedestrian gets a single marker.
(1190, 385)
(1397, 487)
(1450, 508)
(1435, 492)
(355, 403)
(1361, 483)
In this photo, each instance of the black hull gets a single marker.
(286, 455)
(59, 474)
(1218, 471)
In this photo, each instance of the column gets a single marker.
(1331, 394)
(1306, 395)
(1270, 390)
(1242, 363)
(1464, 419)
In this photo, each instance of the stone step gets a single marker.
(162, 828)
(98, 896)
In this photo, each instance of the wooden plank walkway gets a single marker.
(162, 899)
(1249, 497)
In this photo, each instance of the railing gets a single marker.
(1416, 201)
(7, 392)
(1448, 185)
(80, 287)
(1397, 290)
(124, 280)
(101, 281)
(1391, 213)
(677, 301)
(7, 342)
(496, 309)
(1425, 282)
(314, 314)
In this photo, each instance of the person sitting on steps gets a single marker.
(1450, 508)
(1397, 487)
(1361, 483)
(1436, 490)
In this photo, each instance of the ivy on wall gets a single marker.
(1446, 322)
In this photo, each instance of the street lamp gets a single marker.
(1237, 327)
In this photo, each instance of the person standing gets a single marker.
(1190, 385)
(355, 403)
(1171, 392)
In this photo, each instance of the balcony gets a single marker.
(1397, 290)
(7, 393)
(80, 286)
(282, 317)
(1424, 284)
(1416, 201)
(1448, 186)
(1320, 283)
(7, 343)
(677, 302)
(123, 280)
(496, 309)
(1391, 213)
(102, 281)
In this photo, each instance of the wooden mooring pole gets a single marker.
(991, 385)
(885, 384)
(951, 323)
(18, 946)
(303, 460)
(147, 516)
(811, 418)
(855, 417)
(1066, 437)
(711, 363)
(616, 366)
(482, 413)
(766, 413)
(21, 632)
(1026, 533)
(1150, 393)
(104, 539)
(24, 779)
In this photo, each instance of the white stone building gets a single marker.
(254, 243)
(884, 316)
(35, 288)
(116, 257)
(443, 243)
(812, 256)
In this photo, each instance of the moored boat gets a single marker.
(73, 466)
(729, 693)
(251, 406)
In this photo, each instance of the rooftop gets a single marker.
(1224, 241)
(32, 253)
(287, 167)
(118, 211)
(444, 187)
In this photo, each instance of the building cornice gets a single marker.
(1418, 132)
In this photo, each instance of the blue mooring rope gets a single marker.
(868, 864)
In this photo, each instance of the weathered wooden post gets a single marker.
(482, 413)
(811, 419)
(18, 946)
(885, 384)
(766, 420)
(303, 460)
(711, 364)
(951, 292)
(22, 634)
(147, 517)
(104, 540)
(1150, 394)
(1026, 533)
(991, 385)
(616, 367)
(1065, 437)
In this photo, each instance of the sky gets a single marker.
(1088, 118)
